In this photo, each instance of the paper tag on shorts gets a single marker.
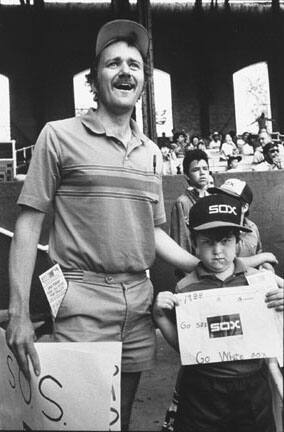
(55, 287)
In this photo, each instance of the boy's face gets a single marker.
(198, 174)
(216, 255)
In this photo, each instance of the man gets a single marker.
(196, 173)
(179, 144)
(263, 139)
(215, 143)
(102, 177)
(272, 160)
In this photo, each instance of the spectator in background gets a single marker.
(233, 163)
(272, 159)
(195, 140)
(262, 120)
(263, 139)
(169, 160)
(179, 141)
(215, 142)
(201, 145)
(228, 148)
(163, 141)
(245, 145)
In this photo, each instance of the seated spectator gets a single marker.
(245, 145)
(263, 138)
(215, 142)
(169, 160)
(179, 140)
(201, 145)
(272, 160)
(233, 163)
(194, 141)
(163, 141)
(228, 148)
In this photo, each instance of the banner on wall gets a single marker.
(229, 324)
(78, 388)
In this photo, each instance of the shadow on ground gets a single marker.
(155, 390)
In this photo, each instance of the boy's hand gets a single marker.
(165, 300)
(275, 299)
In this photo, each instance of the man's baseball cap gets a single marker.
(123, 28)
(216, 211)
(236, 188)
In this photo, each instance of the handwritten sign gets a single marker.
(78, 389)
(227, 324)
(55, 287)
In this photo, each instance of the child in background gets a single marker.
(228, 396)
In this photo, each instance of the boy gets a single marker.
(228, 396)
(196, 173)
(249, 242)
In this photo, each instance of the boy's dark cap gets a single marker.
(216, 211)
(236, 188)
(123, 28)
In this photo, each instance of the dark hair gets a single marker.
(177, 134)
(217, 234)
(268, 147)
(91, 77)
(192, 155)
(194, 136)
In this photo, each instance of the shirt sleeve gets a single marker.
(43, 176)
(179, 229)
(159, 207)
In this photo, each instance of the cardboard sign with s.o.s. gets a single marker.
(78, 388)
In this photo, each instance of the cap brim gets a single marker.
(220, 224)
(224, 191)
(123, 28)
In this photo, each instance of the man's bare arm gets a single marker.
(20, 332)
(172, 253)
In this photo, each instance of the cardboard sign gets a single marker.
(78, 388)
(55, 287)
(229, 324)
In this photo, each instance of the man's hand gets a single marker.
(270, 258)
(20, 337)
(275, 299)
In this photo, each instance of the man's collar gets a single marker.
(90, 121)
(239, 268)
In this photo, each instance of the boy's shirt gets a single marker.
(201, 279)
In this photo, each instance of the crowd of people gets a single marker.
(235, 153)
(102, 177)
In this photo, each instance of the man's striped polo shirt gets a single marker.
(106, 198)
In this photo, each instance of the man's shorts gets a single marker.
(110, 307)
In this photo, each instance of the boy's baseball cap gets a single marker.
(215, 211)
(121, 28)
(236, 188)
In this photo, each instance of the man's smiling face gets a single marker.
(120, 77)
